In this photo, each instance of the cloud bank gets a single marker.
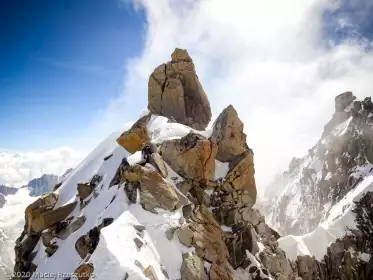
(17, 169)
(272, 60)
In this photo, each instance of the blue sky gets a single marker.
(61, 61)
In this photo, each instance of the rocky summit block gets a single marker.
(134, 138)
(228, 134)
(192, 157)
(175, 91)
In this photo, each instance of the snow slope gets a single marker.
(116, 253)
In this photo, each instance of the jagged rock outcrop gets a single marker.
(86, 188)
(192, 156)
(343, 100)
(134, 138)
(228, 134)
(174, 91)
(215, 218)
(39, 216)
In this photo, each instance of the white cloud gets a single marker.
(16, 169)
(267, 58)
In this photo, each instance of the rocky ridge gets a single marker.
(338, 162)
(227, 237)
(169, 202)
(327, 193)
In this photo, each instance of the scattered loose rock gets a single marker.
(139, 227)
(171, 232)
(51, 249)
(138, 243)
(84, 190)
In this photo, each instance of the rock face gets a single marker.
(192, 268)
(228, 134)
(243, 238)
(175, 91)
(237, 194)
(343, 100)
(205, 235)
(134, 138)
(192, 156)
(154, 190)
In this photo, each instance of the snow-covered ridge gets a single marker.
(300, 200)
(318, 203)
(340, 221)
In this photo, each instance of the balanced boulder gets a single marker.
(134, 138)
(192, 156)
(40, 214)
(174, 91)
